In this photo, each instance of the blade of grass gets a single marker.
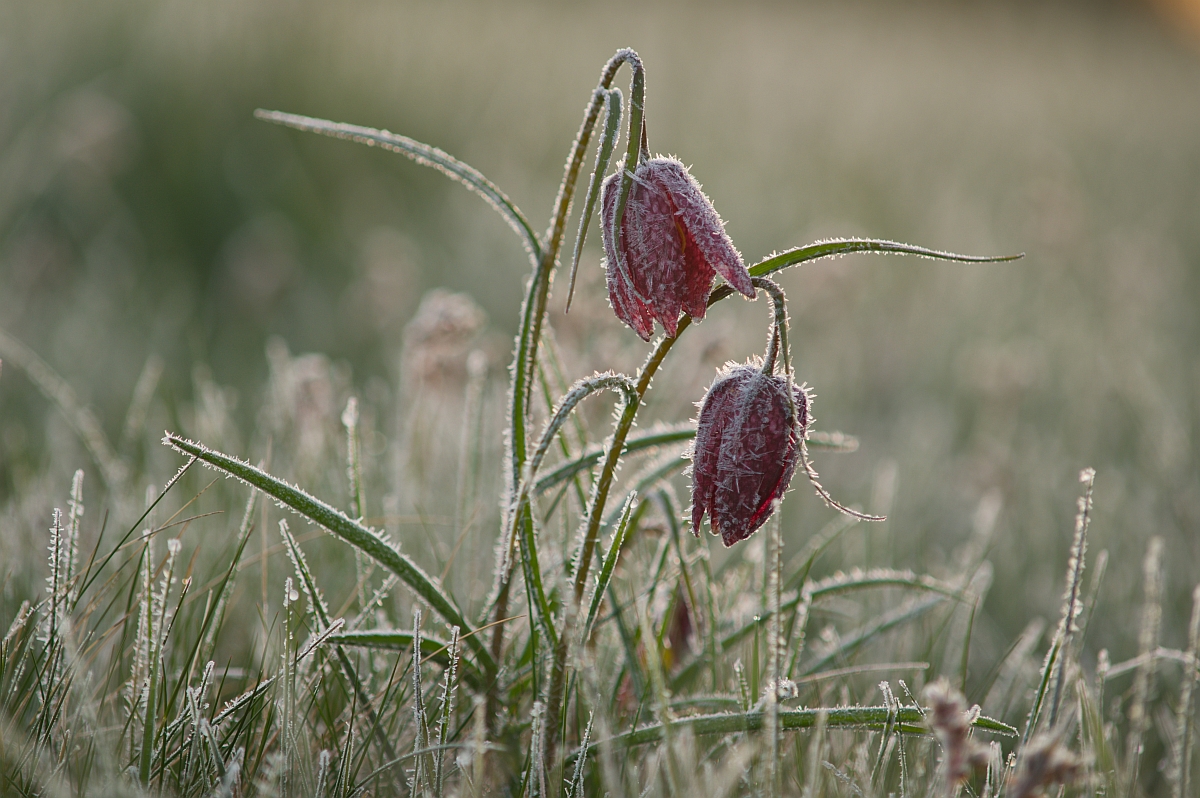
(340, 525)
(423, 154)
(846, 246)
(906, 720)
(608, 567)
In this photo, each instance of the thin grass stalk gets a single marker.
(358, 502)
(320, 785)
(608, 566)
(326, 628)
(214, 620)
(469, 442)
(140, 665)
(535, 779)
(157, 638)
(774, 653)
(661, 705)
(1071, 603)
(478, 748)
(113, 469)
(445, 715)
(71, 541)
(608, 140)
(420, 722)
(288, 698)
(1139, 718)
(1185, 716)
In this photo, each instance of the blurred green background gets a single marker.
(145, 213)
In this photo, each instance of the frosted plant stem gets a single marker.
(1184, 717)
(358, 503)
(464, 496)
(591, 534)
(533, 312)
(1072, 606)
(774, 654)
(612, 125)
(1147, 642)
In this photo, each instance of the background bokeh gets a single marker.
(145, 216)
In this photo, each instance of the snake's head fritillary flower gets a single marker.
(672, 245)
(747, 446)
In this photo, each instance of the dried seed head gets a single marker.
(1045, 763)
(672, 245)
(746, 449)
(950, 721)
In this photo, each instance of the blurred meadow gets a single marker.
(184, 266)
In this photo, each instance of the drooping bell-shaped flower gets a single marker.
(672, 245)
(748, 442)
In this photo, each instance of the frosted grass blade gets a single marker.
(906, 720)
(423, 154)
(340, 525)
(609, 565)
(834, 247)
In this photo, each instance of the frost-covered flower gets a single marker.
(746, 449)
(672, 245)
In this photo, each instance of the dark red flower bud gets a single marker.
(746, 449)
(673, 244)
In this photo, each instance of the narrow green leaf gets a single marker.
(336, 522)
(846, 246)
(666, 435)
(633, 153)
(660, 436)
(907, 720)
(834, 586)
(423, 154)
(392, 640)
(872, 630)
(609, 565)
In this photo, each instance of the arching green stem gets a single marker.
(528, 542)
(592, 531)
(533, 312)
(778, 342)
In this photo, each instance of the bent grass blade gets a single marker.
(423, 154)
(339, 524)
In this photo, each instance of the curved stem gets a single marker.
(592, 532)
(779, 328)
(533, 313)
(635, 141)
(521, 514)
(649, 368)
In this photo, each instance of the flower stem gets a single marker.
(533, 314)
